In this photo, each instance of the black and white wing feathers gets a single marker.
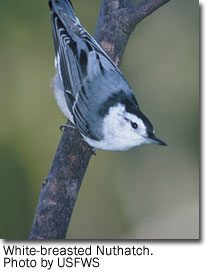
(79, 59)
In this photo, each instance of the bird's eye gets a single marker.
(134, 125)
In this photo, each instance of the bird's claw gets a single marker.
(62, 127)
(93, 151)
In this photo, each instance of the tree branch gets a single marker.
(112, 5)
(116, 21)
(60, 189)
(145, 8)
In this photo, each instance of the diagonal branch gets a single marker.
(145, 8)
(60, 190)
(112, 5)
(125, 3)
(121, 17)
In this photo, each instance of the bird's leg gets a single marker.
(93, 151)
(66, 125)
(62, 127)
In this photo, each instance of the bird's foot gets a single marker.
(93, 151)
(62, 127)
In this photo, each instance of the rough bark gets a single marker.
(117, 20)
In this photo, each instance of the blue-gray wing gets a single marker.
(80, 61)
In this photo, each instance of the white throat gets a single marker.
(118, 132)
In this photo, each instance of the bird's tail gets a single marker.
(62, 6)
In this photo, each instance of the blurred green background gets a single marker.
(147, 192)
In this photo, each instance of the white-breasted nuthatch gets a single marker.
(91, 90)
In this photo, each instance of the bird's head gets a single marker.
(125, 126)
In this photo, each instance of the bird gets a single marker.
(90, 89)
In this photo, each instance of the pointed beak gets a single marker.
(155, 140)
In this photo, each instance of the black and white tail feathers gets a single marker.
(66, 5)
(74, 45)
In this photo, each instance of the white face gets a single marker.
(122, 130)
